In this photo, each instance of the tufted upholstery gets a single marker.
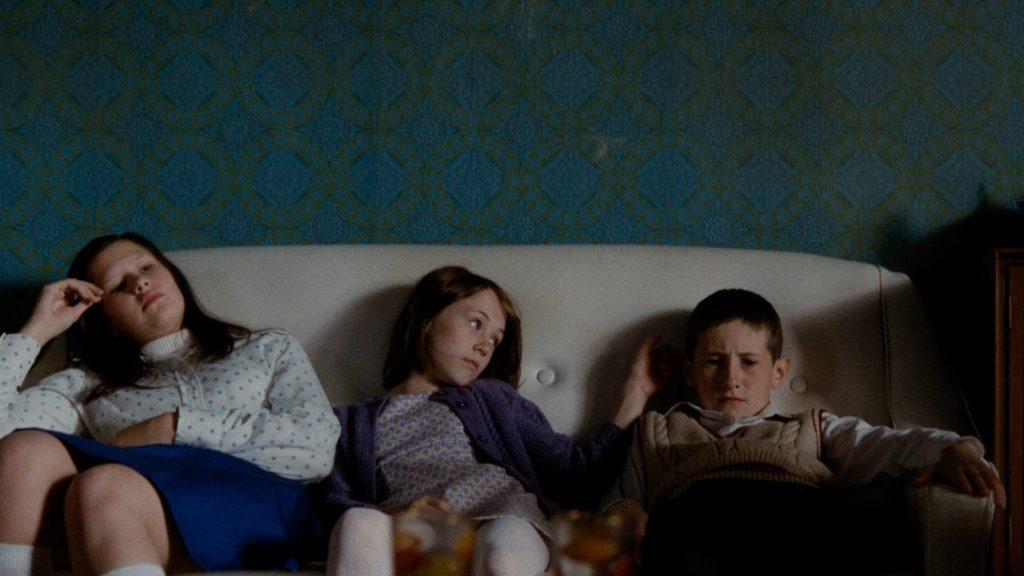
(857, 334)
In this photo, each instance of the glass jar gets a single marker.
(593, 545)
(428, 542)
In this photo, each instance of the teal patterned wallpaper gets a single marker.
(827, 126)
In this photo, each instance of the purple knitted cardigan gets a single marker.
(504, 429)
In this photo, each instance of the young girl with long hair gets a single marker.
(452, 433)
(174, 442)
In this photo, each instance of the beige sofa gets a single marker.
(858, 338)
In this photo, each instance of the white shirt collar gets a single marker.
(724, 424)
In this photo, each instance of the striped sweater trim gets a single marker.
(784, 448)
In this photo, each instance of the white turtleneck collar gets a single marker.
(167, 346)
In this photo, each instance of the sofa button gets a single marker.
(461, 404)
(546, 376)
(798, 385)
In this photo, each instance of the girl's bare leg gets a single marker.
(115, 518)
(35, 469)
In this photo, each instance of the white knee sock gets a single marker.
(509, 546)
(361, 544)
(24, 560)
(137, 570)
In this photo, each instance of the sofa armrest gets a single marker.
(955, 530)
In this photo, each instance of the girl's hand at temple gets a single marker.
(60, 304)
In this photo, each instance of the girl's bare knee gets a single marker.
(109, 491)
(113, 498)
(114, 517)
(33, 458)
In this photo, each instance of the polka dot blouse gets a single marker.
(263, 403)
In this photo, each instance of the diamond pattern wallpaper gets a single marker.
(826, 126)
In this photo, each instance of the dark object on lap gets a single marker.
(733, 526)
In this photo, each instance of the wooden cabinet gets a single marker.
(1008, 408)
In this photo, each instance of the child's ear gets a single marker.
(779, 370)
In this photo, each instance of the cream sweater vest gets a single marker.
(678, 451)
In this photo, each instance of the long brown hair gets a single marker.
(94, 342)
(432, 294)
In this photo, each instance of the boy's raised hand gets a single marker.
(962, 466)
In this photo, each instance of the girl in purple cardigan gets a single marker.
(453, 434)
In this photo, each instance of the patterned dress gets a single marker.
(423, 449)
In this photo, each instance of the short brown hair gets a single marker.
(734, 304)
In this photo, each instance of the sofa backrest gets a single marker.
(857, 334)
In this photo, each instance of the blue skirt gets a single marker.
(231, 514)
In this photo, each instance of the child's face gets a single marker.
(140, 297)
(462, 338)
(733, 371)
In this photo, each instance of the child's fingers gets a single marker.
(953, 475)
(965, 479)
(924, 475)
(977, 482)
(81, 287)
(86, 291)
(986, 481)
(962, 478)
(963, 468)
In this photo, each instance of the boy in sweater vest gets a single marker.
(732, 486)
